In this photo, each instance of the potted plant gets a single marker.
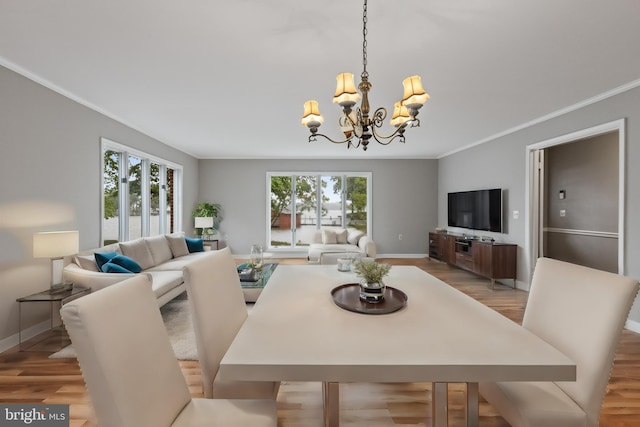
(208, 210)
(372, 285)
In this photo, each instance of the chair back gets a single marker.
(581, 312)
(218, 309)
(126, 358)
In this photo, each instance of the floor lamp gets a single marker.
(55, 245)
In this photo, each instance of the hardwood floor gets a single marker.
(30, 377)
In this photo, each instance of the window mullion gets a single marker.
(123, 200)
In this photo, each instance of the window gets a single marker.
(146, 189)
(301, 203)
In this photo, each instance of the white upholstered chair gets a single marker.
(581, 312)
(131, 371)
(218, 310)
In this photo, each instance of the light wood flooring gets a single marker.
(30, 377)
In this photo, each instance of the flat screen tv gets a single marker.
(476, 210)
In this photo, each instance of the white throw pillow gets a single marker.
(177, 244)
(87, 262)
(328, 237)
(341, 236)
(159, 248)
(138, 251)
(354, 237)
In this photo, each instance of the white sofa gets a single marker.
(160, 257)
(335, 240)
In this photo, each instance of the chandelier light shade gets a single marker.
(355, 123)
(400, 114)
(312, 117)
(414, 94)
(346, 93)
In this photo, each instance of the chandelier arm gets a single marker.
(386, 139)
(312, 138)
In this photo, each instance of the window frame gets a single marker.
(145, 184)
(344, 175)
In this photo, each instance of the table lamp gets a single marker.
(203, 222)
(55, 245)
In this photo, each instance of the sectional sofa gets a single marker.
(159, 257)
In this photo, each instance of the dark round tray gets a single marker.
(348, 297)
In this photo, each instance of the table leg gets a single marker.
(331, 403)
(439, 404)
(472, 405)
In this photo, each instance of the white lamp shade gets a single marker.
(55, 244)
(346, 93)
(414, 93)
(203, 222)
(400, 114)
(312, 116)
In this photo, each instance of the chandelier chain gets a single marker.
(365, 74)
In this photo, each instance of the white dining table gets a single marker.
(296, 332)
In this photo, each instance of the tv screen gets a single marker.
(476, 210)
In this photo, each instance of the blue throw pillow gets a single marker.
(104, 257)
(126, 262)
(194, 245)
(110, 267)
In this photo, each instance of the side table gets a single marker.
(210, 242)
(51, 296)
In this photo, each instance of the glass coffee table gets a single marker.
(253, 289)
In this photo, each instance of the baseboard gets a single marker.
(633, 326)
(401, 256)
(14, 340)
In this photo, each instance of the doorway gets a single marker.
(576, 198)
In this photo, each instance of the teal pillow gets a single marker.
(126, 262)
(194, 245)
(110, 267)
(104, 257)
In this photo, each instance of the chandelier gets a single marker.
(356, 123)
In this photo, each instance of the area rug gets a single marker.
(177, 318)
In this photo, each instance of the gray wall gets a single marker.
(502, 163)
(587, 171)
(50, 180)
(404, 196)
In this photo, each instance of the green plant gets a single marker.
(371, 272)
(209, 210)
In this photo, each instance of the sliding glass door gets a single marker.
(302, 203)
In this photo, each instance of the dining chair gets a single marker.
(218, 310)
(581, 312)
(131, 371)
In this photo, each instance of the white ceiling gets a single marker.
(228, 79)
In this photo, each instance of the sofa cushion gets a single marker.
(104, 257)
(354, 237)
(87, 262)
(164, 281)
(111, 267)
(194, 245)
(139, 251)
(341, 236)
(159, 248)
(177, 263)
(316, 249)
(126, 262)
(177, 244)
(329, 237)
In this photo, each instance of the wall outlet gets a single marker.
(399, 236)
(563, 212)
(516, 214)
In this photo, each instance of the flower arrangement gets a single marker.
(371, 272)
